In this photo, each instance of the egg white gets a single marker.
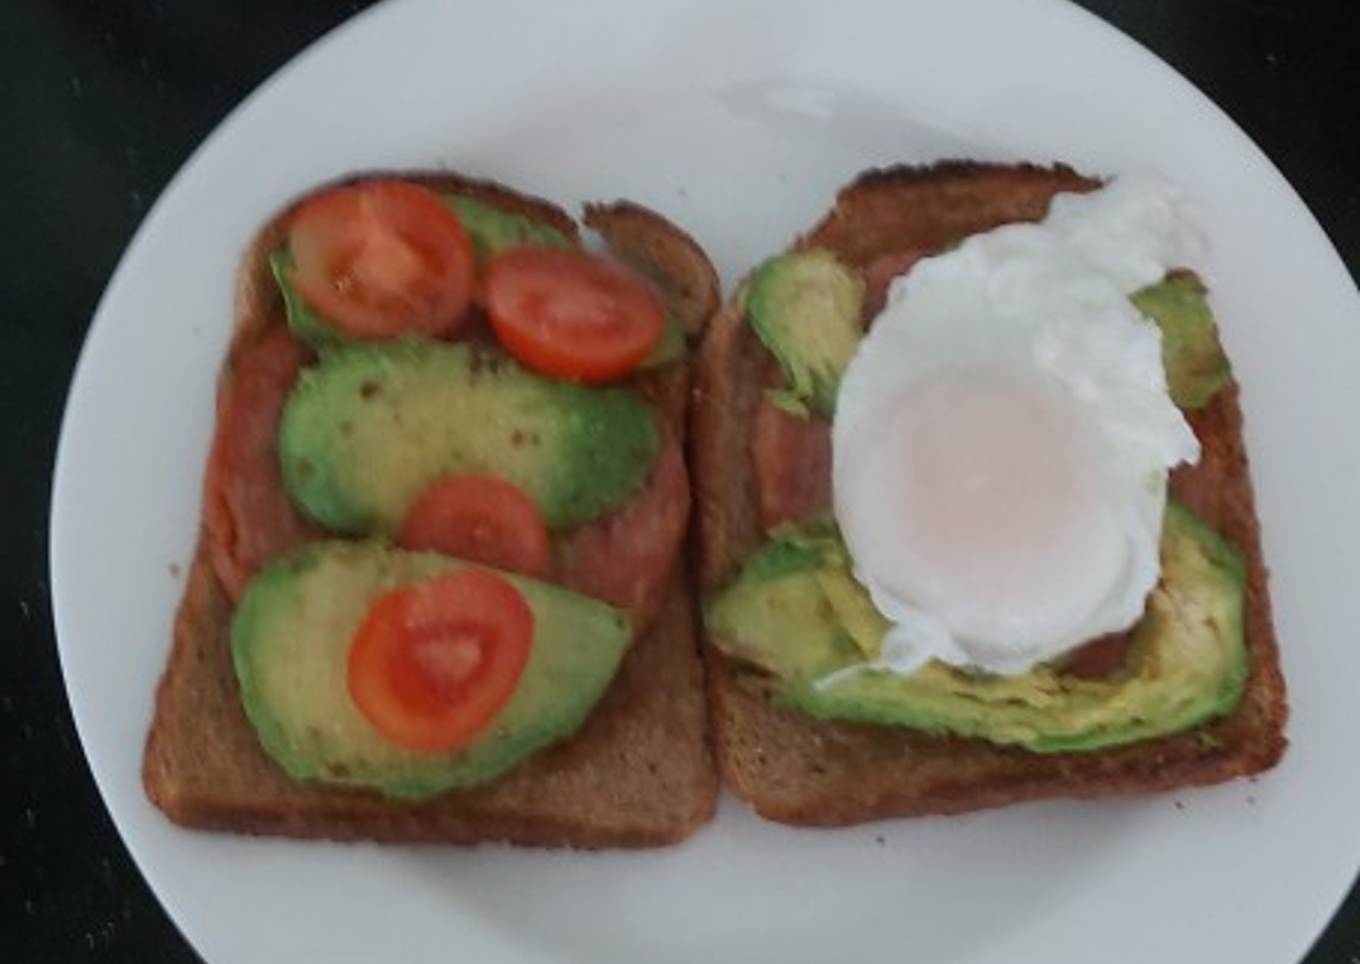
(1003, 435)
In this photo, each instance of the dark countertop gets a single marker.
(101, 102)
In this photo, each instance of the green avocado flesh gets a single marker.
(371, 425)
(806, 307)
(492, 230)
(1188, 662)
(1196, 367)
(290, 640)
(775, 615)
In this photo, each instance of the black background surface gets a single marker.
(102, 100)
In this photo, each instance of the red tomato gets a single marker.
(432, 663)
(571, 315)
(481, 518)
(382, 258)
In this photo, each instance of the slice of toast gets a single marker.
(798, 770)
(640, 771)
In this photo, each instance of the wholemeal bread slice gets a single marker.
(795, 769)
(638, 773)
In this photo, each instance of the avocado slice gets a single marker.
(493, 230)
(1196, 366)
(776, 617)
(290, 640)
(1188, 662)
(854, 610)
(372, 424)
(806, 307)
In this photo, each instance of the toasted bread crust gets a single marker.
(639, 773)
(886, 210)
(795, 769)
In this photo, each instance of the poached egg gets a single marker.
(1003, 435)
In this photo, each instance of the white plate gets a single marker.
(739, 121)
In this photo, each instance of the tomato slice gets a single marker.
(432, 663)
(481, 518)
(381, 258)
(571, 315)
